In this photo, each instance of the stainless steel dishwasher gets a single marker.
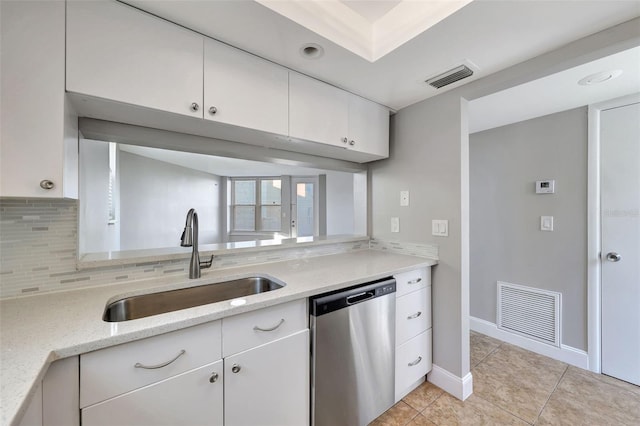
(352, 354)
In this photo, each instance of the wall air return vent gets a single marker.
(451, 76)
(529, 312)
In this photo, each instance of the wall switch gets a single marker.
(404, 198)
(395, 224)
(440, 228)
(546, 223)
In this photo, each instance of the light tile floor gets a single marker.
(512, 386)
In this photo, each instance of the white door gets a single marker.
(620, 256)
(304, 207)
(192, 398)
(269, 385)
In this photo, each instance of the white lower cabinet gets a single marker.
(413, 330)
(191, 398)
(269, 385)
(186, 378)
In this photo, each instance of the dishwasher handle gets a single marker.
(360, 297)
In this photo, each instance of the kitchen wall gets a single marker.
(425, 158)
(506, 241)
(38, 252)
(154, 204)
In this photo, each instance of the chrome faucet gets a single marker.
(190, 239)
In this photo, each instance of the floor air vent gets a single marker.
(451, 76)
(530, 312)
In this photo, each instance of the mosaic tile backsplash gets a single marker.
(38, 251)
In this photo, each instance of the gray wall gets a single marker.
(340, 203)
(506, 241)
(154, 204)
(429, 147)
(426, 158)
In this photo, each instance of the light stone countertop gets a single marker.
(37, 330)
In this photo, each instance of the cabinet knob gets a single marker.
(352, 142)
(213, 110)
(235, 368)
(46, 184)
(195, 107)
(345, 140)
(213, 378)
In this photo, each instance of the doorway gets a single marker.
(304, 207)
(620, 241)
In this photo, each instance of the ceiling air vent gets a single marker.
(451, 76)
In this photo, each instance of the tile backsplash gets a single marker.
(401, 247)
(38, 251)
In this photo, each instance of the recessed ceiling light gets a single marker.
(311, 51)
(599, 77)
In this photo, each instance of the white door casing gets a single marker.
(620, 237)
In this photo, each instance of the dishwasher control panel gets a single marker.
(386, 289)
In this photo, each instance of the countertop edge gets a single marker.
(197, 315)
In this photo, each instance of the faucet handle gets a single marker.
(204, 264)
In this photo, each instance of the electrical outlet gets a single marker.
(404, 198)
(395, 224)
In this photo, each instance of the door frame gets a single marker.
(594, 229)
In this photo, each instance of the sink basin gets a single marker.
(145, 305)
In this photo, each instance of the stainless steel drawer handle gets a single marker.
(164, 364)
(416, 362)
(414, 316)
(416, 281)
(213, 378)
(256, 328)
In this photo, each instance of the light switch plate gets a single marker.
(404, 198)
(545, 186)
(440, 228)
(395, 224)
(546, 223)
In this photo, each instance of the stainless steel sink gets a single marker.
(145, 305)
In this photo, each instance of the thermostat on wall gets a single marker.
(545, 186)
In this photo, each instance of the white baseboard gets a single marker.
(568, 354)
(460, 387)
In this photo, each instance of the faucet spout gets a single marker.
(189, 238)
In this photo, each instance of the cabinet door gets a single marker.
(119, 53)
(244, 90)
(368, 126)
(191, 398)
(317, 111)
(37, 132)
(271, 385)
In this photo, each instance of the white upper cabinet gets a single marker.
(39, 150)
(368, 126)
(317, 111)
(118, 53)
(244, 90)
(322, 113)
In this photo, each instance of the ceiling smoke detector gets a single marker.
(311, 51)
(450, 77)
(599, 77)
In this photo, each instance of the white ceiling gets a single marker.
(492, 34)
(557, 92)
(371, 10)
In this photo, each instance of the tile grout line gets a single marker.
(551, 394)
(503, 409)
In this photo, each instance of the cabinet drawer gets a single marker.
(413, 361)
(413, 314)
(407, 282)
(244, 331)
(186, 399)
(119, 369)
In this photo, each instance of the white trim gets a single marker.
(564, 353)
(460, 387)
(594, 341)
